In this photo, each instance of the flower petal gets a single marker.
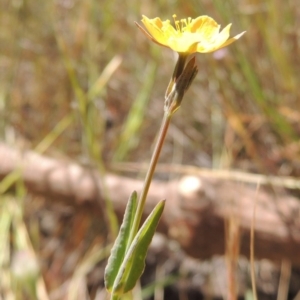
(231, 40)
(205, 25)
(183, 45)
(154, 27)
(224, 35)
(217, 43)
(148, 35)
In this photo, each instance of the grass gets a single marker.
(78, 79)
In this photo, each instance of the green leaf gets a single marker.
(134, 261)
(119, 248)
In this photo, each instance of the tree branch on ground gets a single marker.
(197, 209)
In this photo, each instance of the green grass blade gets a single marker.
(130, 134)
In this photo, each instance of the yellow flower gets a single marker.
(189, 35)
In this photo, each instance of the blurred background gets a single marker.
(79, 81)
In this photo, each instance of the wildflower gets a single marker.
(189, 35)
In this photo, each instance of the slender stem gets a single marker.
(160, 141)
(114, 297)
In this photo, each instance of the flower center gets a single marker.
(182, 25)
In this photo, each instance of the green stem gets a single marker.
(160, 141)
(140, 208)
(114, 297)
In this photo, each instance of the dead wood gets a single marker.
(198, 207)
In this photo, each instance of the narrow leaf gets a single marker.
(119, 248)
(134, 261)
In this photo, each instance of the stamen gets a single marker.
(183, 24)
(176, 22)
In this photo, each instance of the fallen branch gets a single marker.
(196, 211)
